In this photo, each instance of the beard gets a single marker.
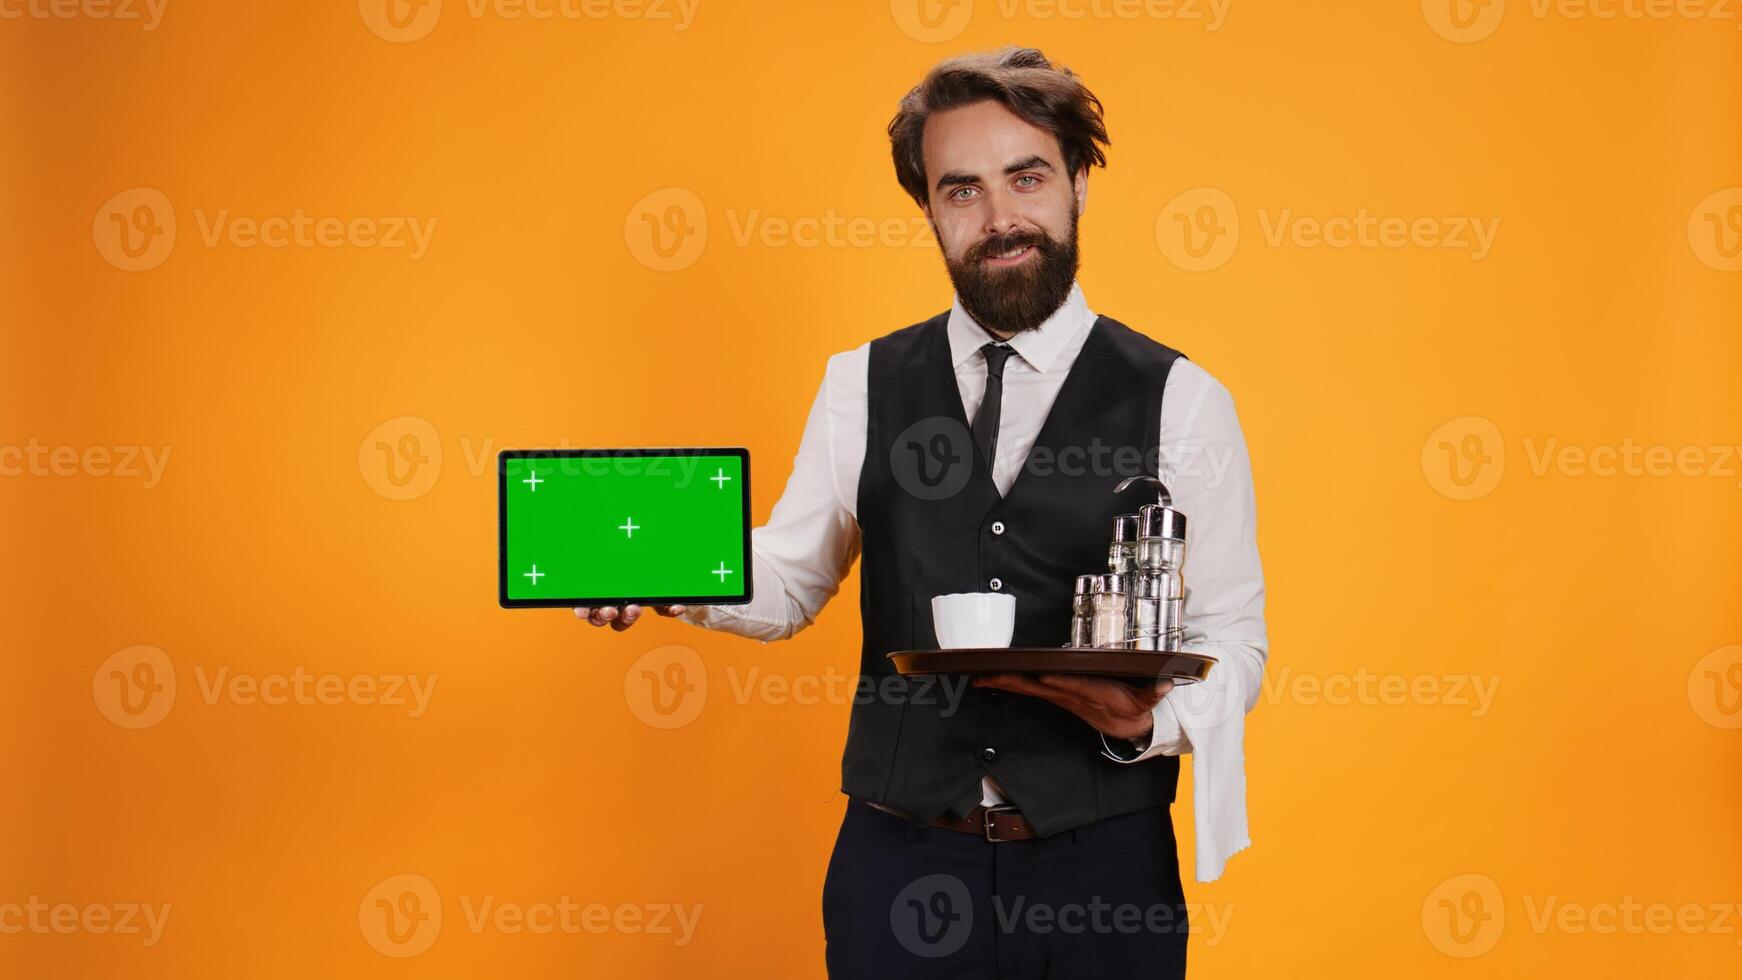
(1021, 297)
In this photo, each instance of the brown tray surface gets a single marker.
(1182, 668)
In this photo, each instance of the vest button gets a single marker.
(996, 583)
(988, 754)
(997, 527)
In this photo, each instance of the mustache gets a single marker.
(999, 244)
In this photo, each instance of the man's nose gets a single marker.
(1002, 215)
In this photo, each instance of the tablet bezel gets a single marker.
(505, 455)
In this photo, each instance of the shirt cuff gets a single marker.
(1167, 738)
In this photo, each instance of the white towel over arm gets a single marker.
(1209, 473)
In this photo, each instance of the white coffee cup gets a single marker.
(973, 619)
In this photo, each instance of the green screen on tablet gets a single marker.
(595, 527)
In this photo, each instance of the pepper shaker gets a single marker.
(1161, 536)
(1083, 612)
(1157, 597)
(1122, 553)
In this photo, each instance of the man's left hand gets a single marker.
(1114, 708)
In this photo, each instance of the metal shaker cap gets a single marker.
(1125, 528)
(1157, 520)
(1110, 582)
(1085, 584)
(1160, 521)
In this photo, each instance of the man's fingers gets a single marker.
(1036, 687)
(1066, 682)
(1104, 692)
(621, 618)
(1018, 683)
(1094, 690)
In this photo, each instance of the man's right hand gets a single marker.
(620, 618)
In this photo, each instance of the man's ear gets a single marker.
(1080, 188)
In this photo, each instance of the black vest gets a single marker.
(927, 515)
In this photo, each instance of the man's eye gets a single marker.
(961, 193)
(1030, 180)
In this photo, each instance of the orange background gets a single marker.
(1598, 775)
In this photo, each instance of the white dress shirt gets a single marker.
(812, 538)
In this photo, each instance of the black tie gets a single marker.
(986, 418)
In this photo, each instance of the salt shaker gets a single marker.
(1111, 624)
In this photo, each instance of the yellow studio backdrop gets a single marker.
(280, 278)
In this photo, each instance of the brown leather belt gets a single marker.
(996, 824)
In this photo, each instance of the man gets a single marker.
(1024, 829)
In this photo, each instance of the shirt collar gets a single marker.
(1040, 347)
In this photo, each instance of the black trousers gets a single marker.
(1100, 901)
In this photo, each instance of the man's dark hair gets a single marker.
(1047, 96)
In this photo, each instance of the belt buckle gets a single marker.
(986, 821)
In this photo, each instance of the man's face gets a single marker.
(1004, 212)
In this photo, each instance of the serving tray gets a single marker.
(1178, 666)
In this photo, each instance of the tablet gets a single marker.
(607, 527)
